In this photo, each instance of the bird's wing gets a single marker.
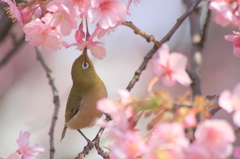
(72, 110)
(70, 114)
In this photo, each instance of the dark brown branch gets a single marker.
(136, 30)
(205, 27)
(164, 39)
(13, 51)
(5, 25)
(196, 55)
(55, 101)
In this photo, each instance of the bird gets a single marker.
(87, 89)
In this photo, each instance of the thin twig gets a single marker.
(13, 51)
(55, 101)
(95, 141)
(136, 30)
(166, 38)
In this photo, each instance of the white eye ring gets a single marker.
(85, 65)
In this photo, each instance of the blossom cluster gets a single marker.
(166, 136)
(25, 151)
(46, 22)
(227, 13)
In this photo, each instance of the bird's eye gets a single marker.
(85, 65)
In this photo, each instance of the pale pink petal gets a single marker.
(229, 37)
(163, 54)
(125, 95)
(182, 77)
(158, 70)
(236, 118)
(14, 155)
(225, 101)
(177, 61)
(35, 150)
(23, 139)
(98, 52)
(236, 51)
(168, 80)
(107, 106)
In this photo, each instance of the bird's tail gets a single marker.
(63, 132)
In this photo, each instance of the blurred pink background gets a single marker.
(26, 97)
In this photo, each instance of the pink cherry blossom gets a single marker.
(167, 140)
(236, 42)
(213, 139)
(97, 51)
(121, 116)
(231, 103)
(171, 67)
(125, 96)
(130, 2)
(129, 146)
(79, 7)
(24, 148)
(13, 11)
(169, 134)
(227, 12)
(223, 12)
(60, 17)
(38, 33)
(107, 13)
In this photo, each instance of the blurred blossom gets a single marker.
(236, 42)
(213, 139)
(230, 101)
(171, 67)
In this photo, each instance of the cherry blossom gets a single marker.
(171, 67)
(96, 50)
(79, 7)
(38, 33)
(224, 14)
(231, 103)
(60, 17)
(129, 146)
(106, 13)
(236, 42)
(167, 141)
(24, 149)
(213, 139)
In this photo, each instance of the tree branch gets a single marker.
(166, 38)
(13, 51)
(55, 100)
(205, 27)
(149, 38)
(196, 50)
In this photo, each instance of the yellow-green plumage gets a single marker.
(87, 89)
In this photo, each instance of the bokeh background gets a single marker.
(26, 97)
